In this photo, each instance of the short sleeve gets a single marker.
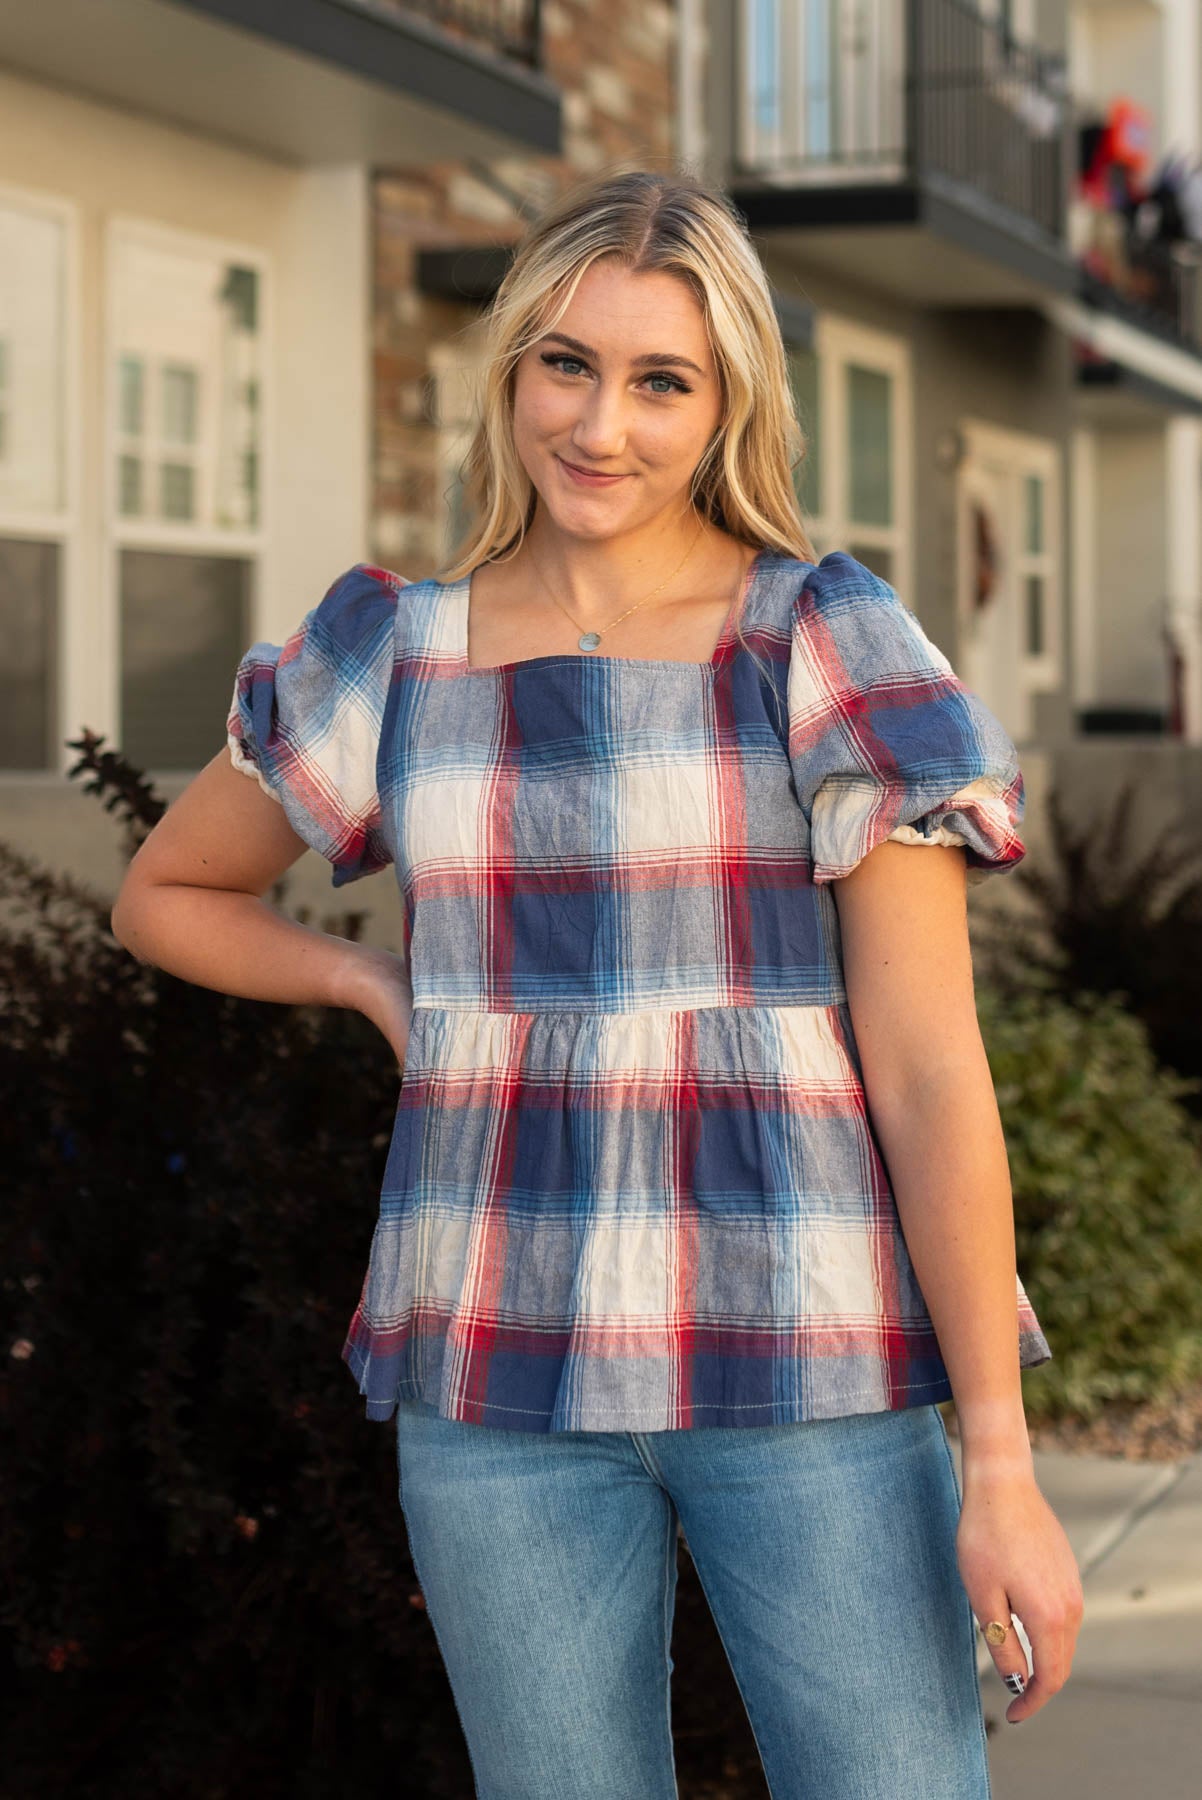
(306, 719)
(885, 740)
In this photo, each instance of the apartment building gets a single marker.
(998, 422)
(192, 286)
(246, 252)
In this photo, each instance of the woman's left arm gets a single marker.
(907, 964)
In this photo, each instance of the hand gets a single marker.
(377, 984)
(1014, 1556)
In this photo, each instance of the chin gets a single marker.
(585, 515)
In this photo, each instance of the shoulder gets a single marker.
(361, 598)
(836, 585)
(843, 611)
(839, 583)
(355, 620)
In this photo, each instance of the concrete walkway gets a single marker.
(1128, 1723)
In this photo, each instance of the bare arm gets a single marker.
(908, 969)
(191, 903)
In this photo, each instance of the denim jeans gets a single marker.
(826, 1551)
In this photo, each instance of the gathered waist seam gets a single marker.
(627, 1012)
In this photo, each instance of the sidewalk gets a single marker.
(1129, 1720)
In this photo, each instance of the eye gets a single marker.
(556, 359)
(676, 384)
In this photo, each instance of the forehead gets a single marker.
(615, 307)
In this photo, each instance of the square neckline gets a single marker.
(459, 597)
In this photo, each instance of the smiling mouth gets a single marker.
(590, 474)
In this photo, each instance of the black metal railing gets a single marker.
(509, 27)
(861, 90)
(1160, 293)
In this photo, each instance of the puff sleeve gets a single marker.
(885, 740)
(306, 719)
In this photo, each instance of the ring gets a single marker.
(996, 1632)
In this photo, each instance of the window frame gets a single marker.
(839, 344)
(120, 531)
(165, 534)
(859, 128)
(59, 526)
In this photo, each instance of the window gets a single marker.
(29, 586)
(187, 374)
(186, 356)
(852, 392)
(803, 376)
(33, 474)
(870, 444)
(131, 390)
(1035, 567)
(185, 621)
(821, 88)
(763, 43)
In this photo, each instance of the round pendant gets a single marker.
(590, 640)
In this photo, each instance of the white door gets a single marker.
(991, 644)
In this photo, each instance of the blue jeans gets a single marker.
(826, 1551)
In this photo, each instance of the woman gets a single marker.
(697, 1201)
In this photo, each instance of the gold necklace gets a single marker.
(589, 640)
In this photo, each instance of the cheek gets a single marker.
(673, 442)
(540, 412)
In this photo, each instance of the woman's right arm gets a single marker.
(191, 903)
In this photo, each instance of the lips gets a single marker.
(587, 477)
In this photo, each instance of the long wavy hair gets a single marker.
(651, 221)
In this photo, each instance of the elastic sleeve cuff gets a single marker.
(246, 765)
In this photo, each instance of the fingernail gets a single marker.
(1017, 1684)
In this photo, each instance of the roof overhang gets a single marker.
(468, 272)
(309, 81)
(929, 242)
(1126, 376)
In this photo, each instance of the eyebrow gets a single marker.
(655, 359)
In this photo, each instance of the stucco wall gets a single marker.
(311, 225)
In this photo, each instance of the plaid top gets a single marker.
(632, 1182)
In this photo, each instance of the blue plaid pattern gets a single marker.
(632, 1182)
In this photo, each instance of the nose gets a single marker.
(600, 429)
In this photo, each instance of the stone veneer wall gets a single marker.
(613, 61)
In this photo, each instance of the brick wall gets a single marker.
(613, 63)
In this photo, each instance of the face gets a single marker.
(614, 407)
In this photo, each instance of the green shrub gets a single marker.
(1108, 915)
(207, 1590)
(1106, 1165)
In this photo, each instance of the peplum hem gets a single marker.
(641, 1221)
(384, 1388)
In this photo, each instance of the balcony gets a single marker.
(402, 82)
(908, 144)
(1139, 254)
(506, 27)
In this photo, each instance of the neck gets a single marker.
(595, 575)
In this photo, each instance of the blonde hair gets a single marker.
(668, 223)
